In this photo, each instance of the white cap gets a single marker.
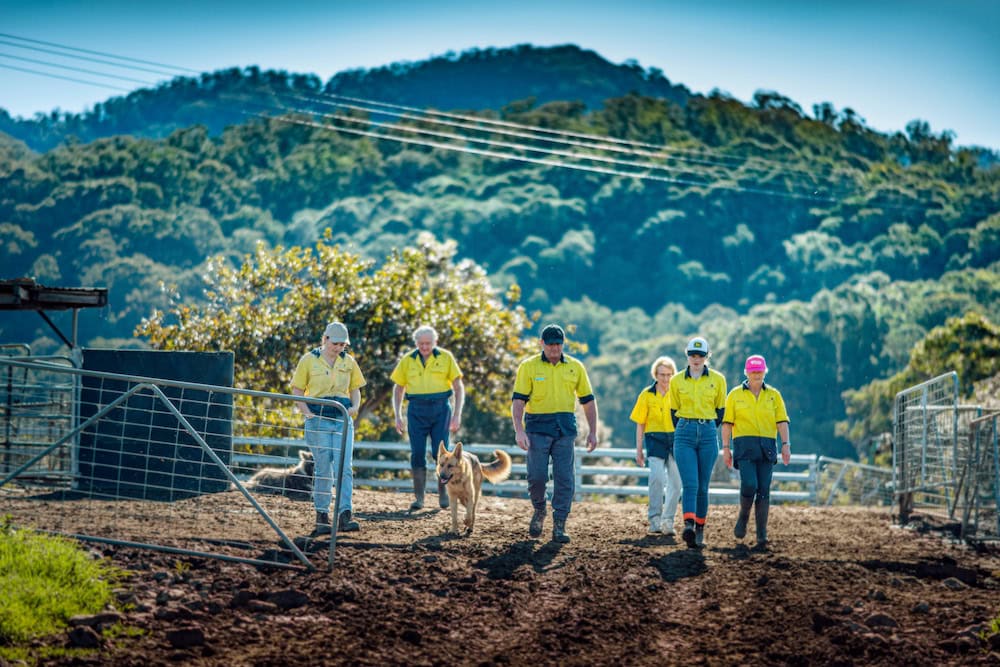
(697, 344)
(337, 333)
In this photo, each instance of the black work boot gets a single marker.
(346, 525)
(419, 484)
(688, 534)
(740, 529)
(760, 516)
(442, 495)
(699, 535)
(323, 526)
(559, 531)
(537, 521)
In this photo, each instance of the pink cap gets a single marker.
(755, 364)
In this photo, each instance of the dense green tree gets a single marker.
(274, 307)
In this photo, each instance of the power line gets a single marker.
(465, 122)
(65, 78)
(92, 60)
(76, 69)
(98, 53)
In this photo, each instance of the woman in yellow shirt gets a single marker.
(755, 414)
(655, 429)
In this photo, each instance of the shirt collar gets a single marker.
(746, 385)
(562, 359)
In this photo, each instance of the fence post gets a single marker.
(814, 480)
(577, 474)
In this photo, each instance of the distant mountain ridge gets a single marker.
(489, 78)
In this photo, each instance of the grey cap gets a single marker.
(337, 333)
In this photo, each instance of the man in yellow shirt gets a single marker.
(428, 378)
(329, 372)
(543, 406)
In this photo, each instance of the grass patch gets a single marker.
(45, 581)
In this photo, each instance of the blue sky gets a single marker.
(891, 61)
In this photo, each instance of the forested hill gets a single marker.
(833, 249)
(474, 80)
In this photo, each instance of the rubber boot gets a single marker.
(323, 526)
(760, 516)
(559, 531)
(419, 484)
(442, 495)
(689, 534)
(740, 529)
(699, 535)
(346, 525)
(537, 522)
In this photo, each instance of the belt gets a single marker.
(698, 421)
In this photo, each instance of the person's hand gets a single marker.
(786, 454)
(591, 441)
(456, 423)
(352, 413)
(639, 458)
(521, 438)
(400, 426)
(727, 456)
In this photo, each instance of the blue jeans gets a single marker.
(323, 439)
(541, 448)
(696, 446)
(427, 419)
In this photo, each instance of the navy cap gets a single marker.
(553, 333)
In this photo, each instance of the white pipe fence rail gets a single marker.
(604, 472)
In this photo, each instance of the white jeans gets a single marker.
(664, 480)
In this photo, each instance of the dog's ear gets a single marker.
(442, 451)
(458, 450)
(305, 454)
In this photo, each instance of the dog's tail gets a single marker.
(498, 470)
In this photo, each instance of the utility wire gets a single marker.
(76, 69)
(98, 53)
(92, 60)
(65, 78)
(540, 161)
(594, 142)
(392, 129)
(535, 133)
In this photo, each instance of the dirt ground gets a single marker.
(838, 586)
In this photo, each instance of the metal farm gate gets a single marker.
(945, 458)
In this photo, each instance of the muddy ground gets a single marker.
(838, 586)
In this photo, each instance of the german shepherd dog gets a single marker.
(295, 483)
(463, 473)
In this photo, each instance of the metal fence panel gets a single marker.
(925, 441)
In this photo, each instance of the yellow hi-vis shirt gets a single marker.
(755, 415)
(653, 411)
(550, 388)
(698, 398)
(431, 378)
(316, 378)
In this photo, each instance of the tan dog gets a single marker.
(463, 473)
